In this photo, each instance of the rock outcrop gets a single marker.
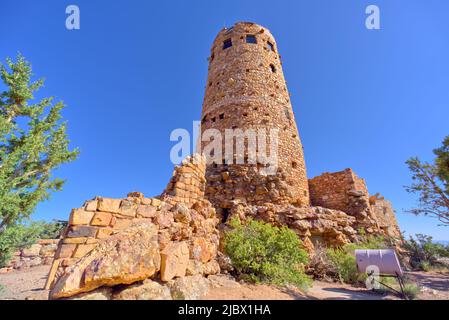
(117, 242)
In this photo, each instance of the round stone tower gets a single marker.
(246, 90)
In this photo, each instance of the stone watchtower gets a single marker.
(246, 89)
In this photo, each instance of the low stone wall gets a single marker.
(386, 218)
(345, 191)
(40, 253)
(186, 235)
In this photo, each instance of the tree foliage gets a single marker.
(33, 142)
(431, 183)
(19, 236)
(423, 253)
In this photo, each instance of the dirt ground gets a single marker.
(20, 285)
(28, 284)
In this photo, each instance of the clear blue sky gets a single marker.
(137, 69)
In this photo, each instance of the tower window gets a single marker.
(270, 46)
(221, 116)
(287, 113)
(213, 119)
(251, 38)
(273, 68)
(229, 30)
(294, 165)
(227, 43)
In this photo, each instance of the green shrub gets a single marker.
(16, 237)
(343, 259)
(261, 252)
(423, 253)
(411, 290)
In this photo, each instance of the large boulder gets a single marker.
(189, 288)
(126, 257)
(147, 290)
(175, 258)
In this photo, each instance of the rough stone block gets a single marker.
(66, 250)
(91, 205)
(121, 224)
(104, 233)
(82, 231)
(146, 211)
(101, 219)
(80, 217)
(174, 260)
(83, 249)
(109, 205)
(74, 240)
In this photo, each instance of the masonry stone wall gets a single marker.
(178, 216)
(246, 90)
(39, 253)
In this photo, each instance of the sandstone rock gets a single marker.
(109, 205)
(211, 267)
(101, 219)
(48, 250)
(104, 233)
(194, 267)
(174, 260)
(223, 281)
(155, 202)
(164, 219)
(126, 257)
(128, 208)
(83, 249)
(32, 251)
(147, 290)
(189, 288)
(91, 205)
(135, 194)
(121, 224)
(202, 250)
(181, 213)
(146, 211)
(80, 216)
(224, 262)
(66, 250)
(82, 231)
(104, 293)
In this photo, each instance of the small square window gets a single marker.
(251, 38)
(270, 46)
(227, 43)
(221, 116)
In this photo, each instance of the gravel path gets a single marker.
(26, 284)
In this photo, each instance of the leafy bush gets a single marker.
(411, 290)
(20, 236)
(343, 259)
(320, 265)
(264, 253)
(423, 253)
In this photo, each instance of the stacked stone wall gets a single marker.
(186, 218)
(246, 90)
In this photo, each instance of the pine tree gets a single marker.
(431, 183)
(33, 142)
